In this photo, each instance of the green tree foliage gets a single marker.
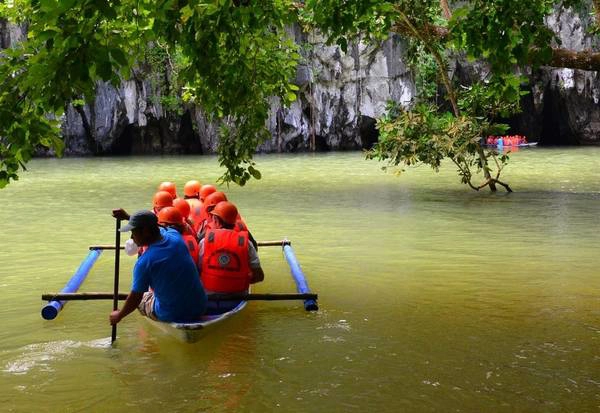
(232, 56)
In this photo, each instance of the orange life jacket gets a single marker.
(192, 245)
(204, 215)
(195, 212)
(225, 267)
(187, 228)
(210, 223)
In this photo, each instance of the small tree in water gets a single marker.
(505, 35)
(428, 132)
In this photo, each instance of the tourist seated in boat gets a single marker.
(170, 217)
(191, 193)
(209, 203)
(206, 190)
(166, 268)
(228, 262)
(168, 187)
(208, 220)
(161, 199)
(184, 209)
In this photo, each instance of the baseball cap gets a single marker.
(139, 220)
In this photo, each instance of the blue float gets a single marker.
(299, 278)
(51, 310)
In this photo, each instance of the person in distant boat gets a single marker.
(170, 217)
(229, 263)
(167, 268)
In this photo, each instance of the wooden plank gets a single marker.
(260, 244)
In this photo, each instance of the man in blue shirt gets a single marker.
(166, 267)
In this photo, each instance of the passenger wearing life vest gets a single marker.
(170, 217)
(184, 209)
(229, 263)
(191, 192)
(162, 199)
(168, 187)
(208, 221)
(206, 190)
(205, 218)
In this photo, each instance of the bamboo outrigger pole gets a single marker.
(211, 297)
(54, 306)
(310, 304)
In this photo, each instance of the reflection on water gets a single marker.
(433, 297)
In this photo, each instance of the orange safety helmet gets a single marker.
(192, 189)
(182, 206)
(226, 211)
(163, 199)
(214, 198)
(169, 187)
(206, 190)
(169, 215)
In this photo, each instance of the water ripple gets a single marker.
(41, 355)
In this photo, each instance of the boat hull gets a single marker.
(192, 332)
(521, 145)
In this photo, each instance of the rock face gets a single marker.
(341, 95)
(562, 108)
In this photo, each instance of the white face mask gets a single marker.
(131, 247)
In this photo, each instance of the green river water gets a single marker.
(433, 298)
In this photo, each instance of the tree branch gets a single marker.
(505, 185)
(597, 11)
(446, 9)
(561, 58)
(584, 60)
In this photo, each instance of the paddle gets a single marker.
(116, 285)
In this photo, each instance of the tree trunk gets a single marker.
(90, 136)
(446, 9)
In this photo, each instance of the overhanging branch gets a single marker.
(561, 58)
(584, 60)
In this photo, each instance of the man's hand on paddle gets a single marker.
(120, 214)
(114, 317)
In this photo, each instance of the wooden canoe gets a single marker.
(192, 332)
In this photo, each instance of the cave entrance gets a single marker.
(123, 145)
(555, 121)
(369, 135)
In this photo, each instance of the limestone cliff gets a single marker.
(341, 95)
